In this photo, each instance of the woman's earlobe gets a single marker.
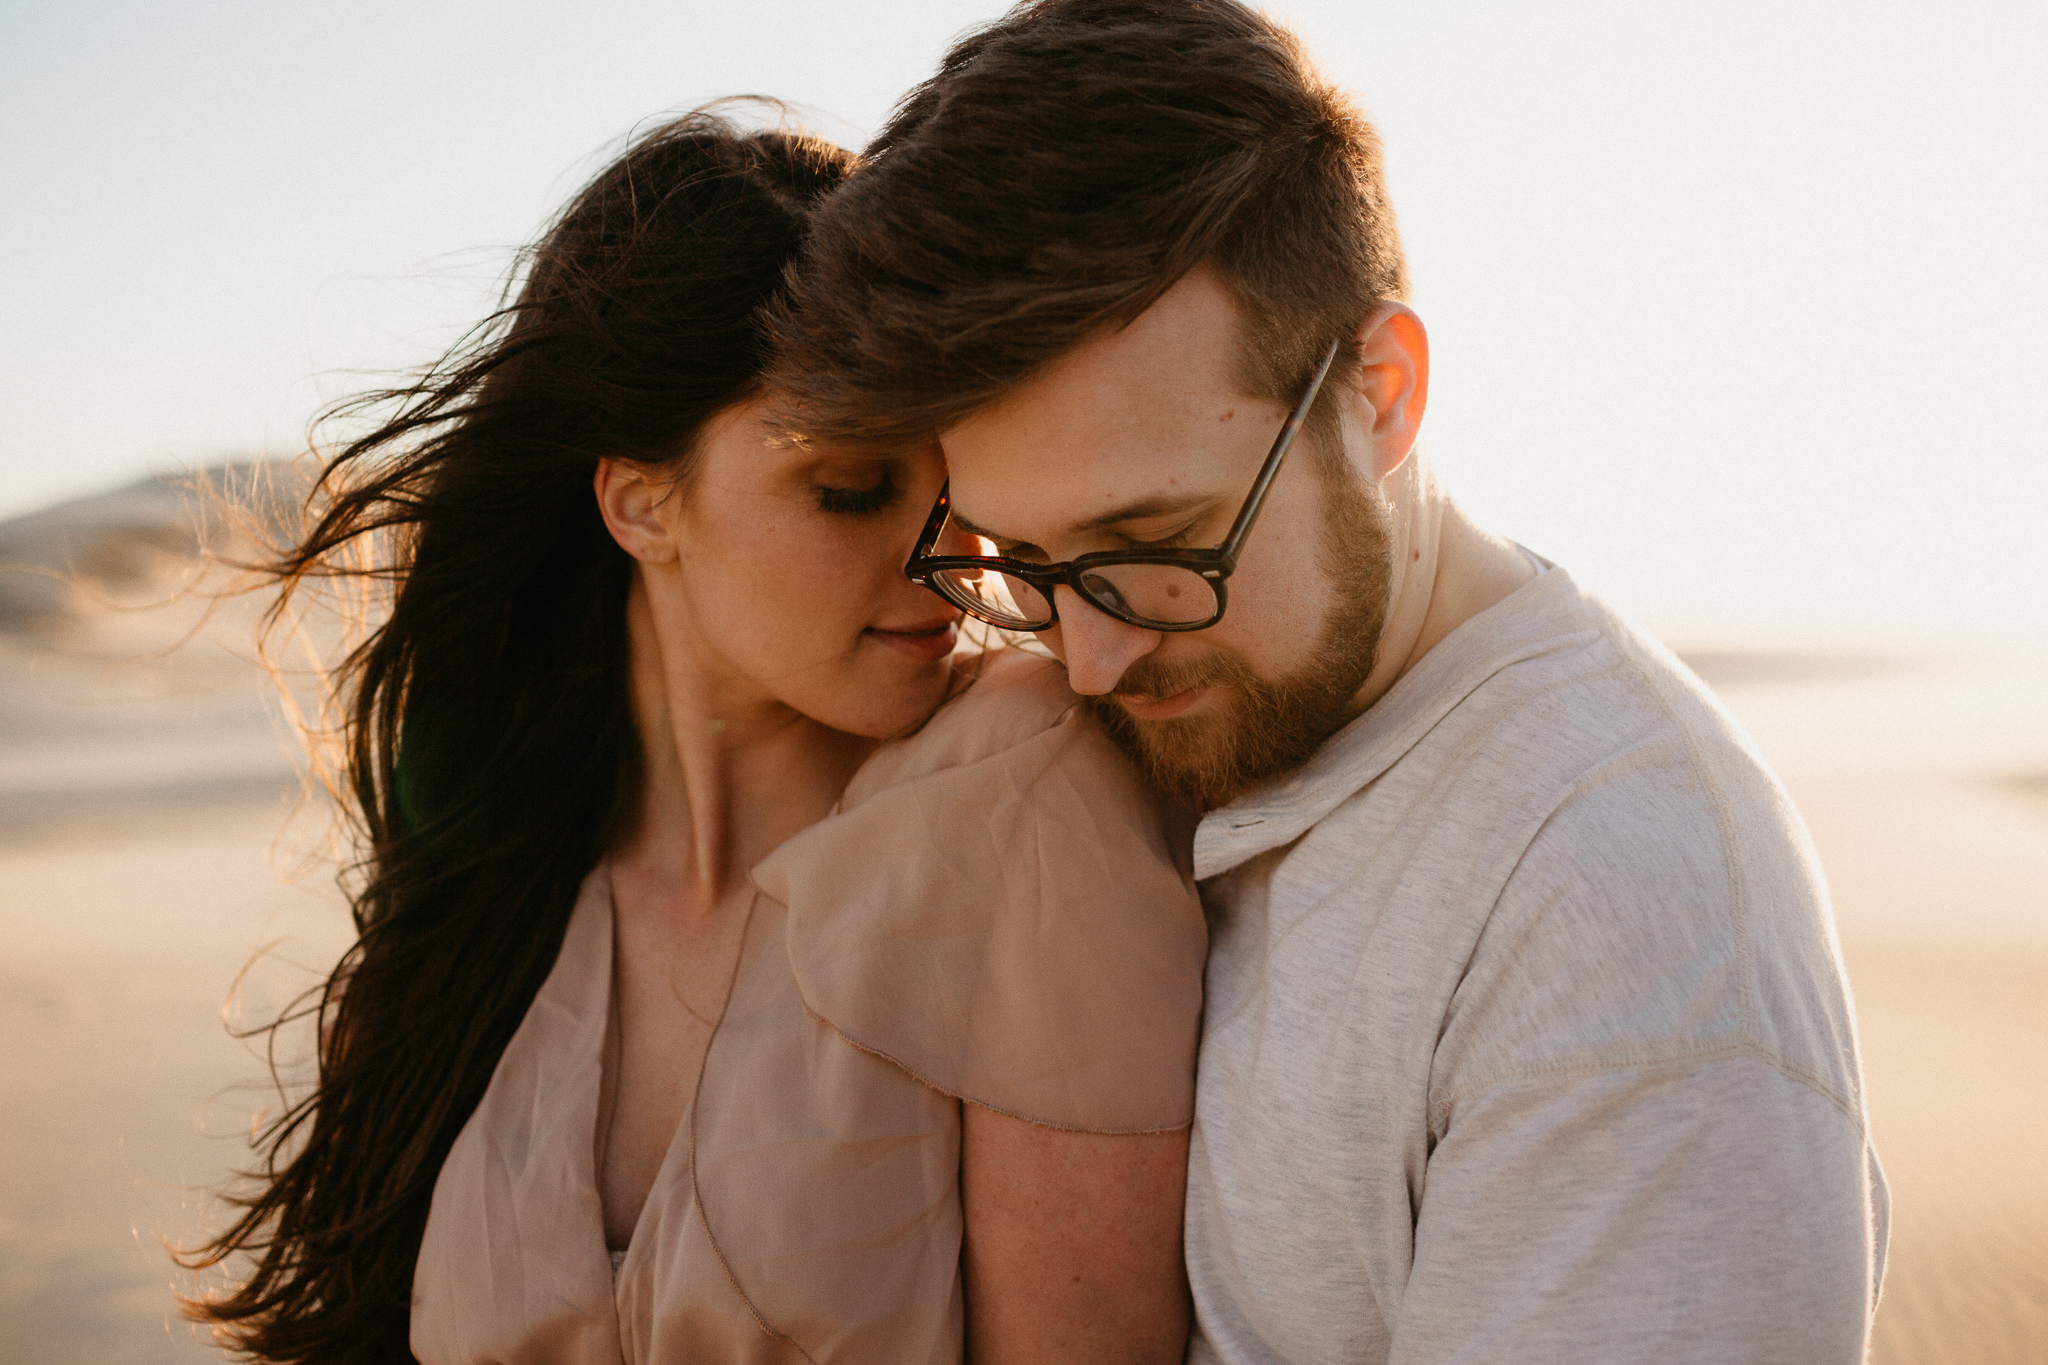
(630, 504)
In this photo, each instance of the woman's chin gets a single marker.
(883, 702)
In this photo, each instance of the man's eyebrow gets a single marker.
(1158, 506)
(1161, 505)
(961, 523)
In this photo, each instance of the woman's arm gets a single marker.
(1073, 1243)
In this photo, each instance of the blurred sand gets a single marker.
(144, 857)
(147, 851)
(1923, 789)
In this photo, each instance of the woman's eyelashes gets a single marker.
(855, 502)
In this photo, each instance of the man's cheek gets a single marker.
(1266, 640)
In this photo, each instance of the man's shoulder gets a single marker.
(1583, 709)
(1514, 710)
(1634, 779)
(1664, 904)
(1588, 685)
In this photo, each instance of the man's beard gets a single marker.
(1270, 727)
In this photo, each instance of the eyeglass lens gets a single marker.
(1145, 594)
(1156, 594)
(995, 597)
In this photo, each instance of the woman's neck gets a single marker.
(727, 772)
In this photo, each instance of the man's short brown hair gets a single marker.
(1065, 167)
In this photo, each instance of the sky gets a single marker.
(1738, 311)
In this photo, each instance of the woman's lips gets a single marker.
(1160, 708)
(925, 643)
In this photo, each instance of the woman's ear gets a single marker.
(1393, 379)
(632, 503)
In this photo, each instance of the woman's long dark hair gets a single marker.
(491, 756)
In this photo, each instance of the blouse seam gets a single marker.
(696, 1188)
(704, 1220)
(931, 1084)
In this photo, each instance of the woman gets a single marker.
(739, 977)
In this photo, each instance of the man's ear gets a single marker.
(631, 500)
(1393, 379)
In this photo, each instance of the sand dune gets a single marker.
(2031, 788)
(147, 850)
(126, 545)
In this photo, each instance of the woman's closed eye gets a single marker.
(857, 502)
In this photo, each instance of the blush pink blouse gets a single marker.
(994, 912)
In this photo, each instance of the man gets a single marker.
(1526, 1036)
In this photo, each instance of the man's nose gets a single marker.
(1095, 646)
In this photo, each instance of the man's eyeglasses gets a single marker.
(1152, 589)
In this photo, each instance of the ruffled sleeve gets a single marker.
(997, 907)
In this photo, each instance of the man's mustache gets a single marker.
(1152, 678)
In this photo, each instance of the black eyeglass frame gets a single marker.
(1216, 564)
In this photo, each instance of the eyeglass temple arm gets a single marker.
(1249, 513)
(928, 538)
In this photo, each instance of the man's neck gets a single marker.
(1446, 571)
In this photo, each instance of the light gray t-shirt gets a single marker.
(1527, 1038)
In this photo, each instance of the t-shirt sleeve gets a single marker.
(1702, 1212)
(1648, 1139)
(1011, 929)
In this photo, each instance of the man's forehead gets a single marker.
(1138, 422)
(1012, 486)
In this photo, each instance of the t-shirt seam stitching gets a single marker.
(1439, 1109)
(1645, 752)
(1626, 669)
(1738, 889)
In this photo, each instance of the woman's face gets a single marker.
(774, 575)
